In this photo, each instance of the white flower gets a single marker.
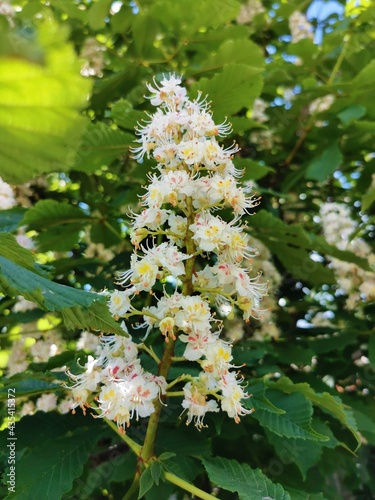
(197, 344)
(88, 341)
(23, 305)
(47, 402)
(233, 394)
(259, 109)
(28, 408)
(219, 356)
(66, 405)
(169, 92)
(92, 51)
(25, 241)
(249, 10)
(119, 303)
(321, 104)
(7, 198)
(89, 379)
(194, 315)
(300, 27)
(197, 405)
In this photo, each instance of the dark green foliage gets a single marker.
(311, 383)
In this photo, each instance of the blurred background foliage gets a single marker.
(296, 80)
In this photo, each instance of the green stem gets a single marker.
(132, 492)
(167, 359)
(132, 444)
(339, 61)
(181, 378)
(175, 394)
(187, 288)
(150, 352)
(149, 442)
(188, 487)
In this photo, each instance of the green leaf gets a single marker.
(253, 170)
(366, 77)
(145, 30)
(305, 454)
(97, 14)
(303, 495)
(47, 426)
(319, 244)
(325, 164)
(236, 87)
(334, 341)
(48, 470)
(239, 51)
(289, 244)
(368, 198)
(250, 484)
(59, 222)
(259, 400)
(10, 219)
(61, 238)
(166, 455)
(182, 442)
(121, 21)
(107, 232)
(186, 468)
(47, 213)
(146, 482)
(188, 18)
(51, 296)
(118, 469)
(40, 129)
(97, 317)
(80, 309)
(10, 249)
(327, 402)
(124, 115)
(53, 362)
(363, 412)
(352, 113)
(100, 145)
(295, 422)
(371, 349)
(30, 386)
(156, 471)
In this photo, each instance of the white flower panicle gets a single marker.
(249, 10)
(206, 258)
(300, 27)
(339, 229)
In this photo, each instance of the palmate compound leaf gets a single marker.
(19, 275)
(100, 145)
(295, 422)
(250, 484)
(49, 469)
(328, 403)
(234, 88)
(304, 454)
(292, 245)
(40, 101)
